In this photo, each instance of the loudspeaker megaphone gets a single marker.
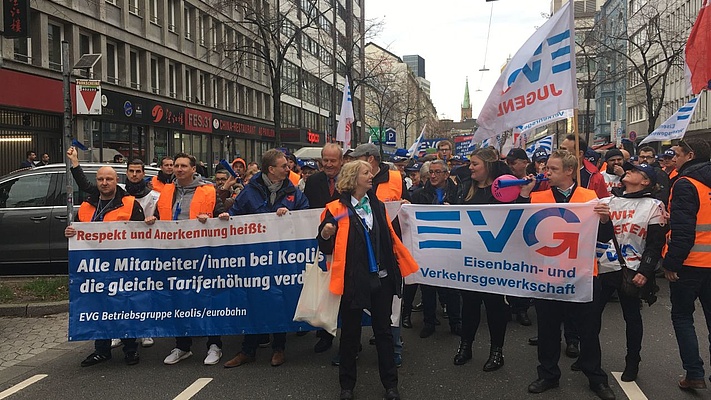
(506, 188)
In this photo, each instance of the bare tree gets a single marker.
(277, 27)
(411, 108)
(382, 94)
(653, 47)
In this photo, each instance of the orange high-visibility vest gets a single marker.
(673, 174)
(580, 195)
(406, 263)
(294, 178)
(123, 213)
(157, 185)
(700, 254)
(203, 202)
(392, 189)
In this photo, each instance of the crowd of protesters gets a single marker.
(668, 193)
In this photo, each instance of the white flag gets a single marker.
(413, 149)
(538, 81)
(675, 126)
(343, 132)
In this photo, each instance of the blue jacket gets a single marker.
(254, 198)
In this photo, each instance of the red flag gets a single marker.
(698, 47)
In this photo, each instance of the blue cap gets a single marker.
(540, 155)
(310, 164)
(668, 153)
(646, 168)
(416, 167)
(459, 159)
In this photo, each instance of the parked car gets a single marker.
(33, 215)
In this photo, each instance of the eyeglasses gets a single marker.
(646, 157)
(437, 172)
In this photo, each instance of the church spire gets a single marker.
(466, 104)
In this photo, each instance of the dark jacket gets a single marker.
(684, 207)
(482, 195)
(136, 213)
(316, 190)
(664, 185)
(428, 194)
(358, 279)
(89, 187)
(254, 198)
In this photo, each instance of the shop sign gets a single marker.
(198, 121)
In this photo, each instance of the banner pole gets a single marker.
(577, 143)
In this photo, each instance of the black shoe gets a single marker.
(417, 307)
(95, 358)
(131, 358)
(371, 341)
(406, 322)
(575, 366)
(631, 369)
(323, 344)
(522, 318)
(464, 353)
(541, 385)
(456, 329)
(427, 331)
(572, 350)
(603, 391)
(496, 359)
(346, 394)
(533, 341)
(392, 394)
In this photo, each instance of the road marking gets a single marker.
(27, 382)
(193, 389)
(631, 389)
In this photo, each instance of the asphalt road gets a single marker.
(427, 372)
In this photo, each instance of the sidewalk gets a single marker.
(24, 338)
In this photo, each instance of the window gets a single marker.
(188, 85)
(54, 45)
(85, 47)
(171, 80)
(214, 34)
(201, 98)
(155, 76)
(215, 87)
(134, 7)
(111, 63)
(154, 12)
(187, 16)
(23, 50)
(202, 27)
(229, 94)
(171, 15)
(607, 109)
(135, 71)
(27, 191)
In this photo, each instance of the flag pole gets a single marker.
(577, 144)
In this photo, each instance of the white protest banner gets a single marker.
(675, 127)
(563, 114)
(538, 81)
(526, 250)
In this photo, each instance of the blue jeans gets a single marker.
(693, 283)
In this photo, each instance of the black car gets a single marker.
(33, 215)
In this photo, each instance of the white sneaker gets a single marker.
(147, 342)
(115, 343)
(176, 355)
(214, 354)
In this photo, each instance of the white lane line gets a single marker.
(631, 389)
(193, 389)
(27, 382)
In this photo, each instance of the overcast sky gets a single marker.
(451, 36)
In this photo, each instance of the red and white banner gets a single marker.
(88, 97)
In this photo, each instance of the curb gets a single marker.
(33, 309)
